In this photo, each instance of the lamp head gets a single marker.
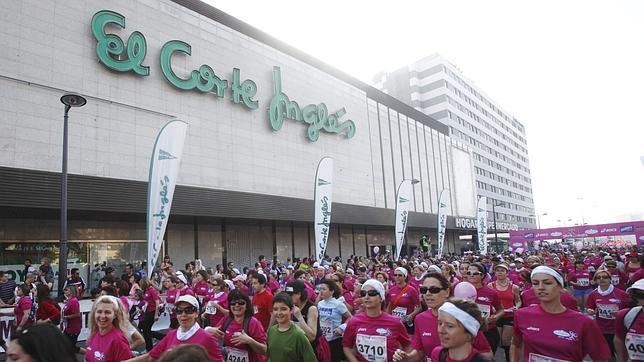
(73, 100)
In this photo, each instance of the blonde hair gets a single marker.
(120, 320)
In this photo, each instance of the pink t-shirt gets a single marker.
(425, 336)
(619, 279)
(582, 278)
(72, 325)
(201, 337)
(606, 308)
(405, 304)
(150, 297)
(186, 291)
(529, 299)
(488, 302)
(415, 282)
(274, 286)
(635, 333)
(222, 300)
(567, 336)
(435, 355)
(378, 336)
(515, 277)
(171, 297)
(24, 304)
(111, 347)
(201, 289)
(255, 331)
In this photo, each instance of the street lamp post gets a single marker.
(537, 216)
(69, 100)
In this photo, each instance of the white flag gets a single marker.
(164, 168)
(481, 217)
(323, 202)
(403, 197)
(443, 209)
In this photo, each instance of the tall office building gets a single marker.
(437, 88)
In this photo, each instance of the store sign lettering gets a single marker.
(130, 56)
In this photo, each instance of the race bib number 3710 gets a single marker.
(372, 348)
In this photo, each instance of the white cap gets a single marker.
(236, 271)
(290, 267)
(316, 264)
(182, 277)
(230, 284)
(639, 285)
(350, 271)
(188, 299)
(434, 268)
(377, 285)
(518, 260)
(402, 270)
(240, 277)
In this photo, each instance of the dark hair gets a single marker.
(299, 287)
(203, 274)
(24, 288)
(261, 279)
(478, 266)
(42, 292)
(470, 308)
(236, 294)
(43, 268)
(332, 286)
(284, 298)
(123, 288)
(298, 274)
(111, 290)
(45, 343)
(438, 276)
(186, 353)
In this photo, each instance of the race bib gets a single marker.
(607, 311)
(236, 355)
(614, 279)
(372, 348)
(399, 312)
(533, 357)
(635, 346)
(327, 329)
(169, 307)
(255, 309)
(485, 310)
(211, 308)
(583, 282)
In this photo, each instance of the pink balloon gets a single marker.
(466, 291)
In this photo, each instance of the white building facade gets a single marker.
(245, 186)
(437, 88)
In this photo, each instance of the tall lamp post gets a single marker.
(69, 100)
(537, 216)
(496, 234)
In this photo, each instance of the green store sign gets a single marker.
(129, 56)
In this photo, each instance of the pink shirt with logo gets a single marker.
(425, 336)
(581, 277)
(488, 301)
(186, 291)
(151, 296)
(567, 336)
(632, 335)
(529, 299)
(435, 355)
(606, 308)
(222, 300)
(111, 347)
(619, 279)
(255, 331)
(72, 325)
(379, 336)
(408, 300)
(171, 297)
(201, 337)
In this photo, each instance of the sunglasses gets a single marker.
(240, 303)
(188, 310)
(602, 277)
(399, 275)
(371, 293)
(431, 290)
(474, 273)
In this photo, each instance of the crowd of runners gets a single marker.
(542, 305)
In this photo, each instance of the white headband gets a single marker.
(547, 270)
(110, 299)
(377, 285)
(402, 270)
(470, 323)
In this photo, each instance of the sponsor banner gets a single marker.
(164, 169)
(322, 203)
(584, 231)
(470, 223)
(481, 216)
(8, 325)
(443, 210)
(403, 197)
(518, 245)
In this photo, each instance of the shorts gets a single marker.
(505, 321)
(580, 292)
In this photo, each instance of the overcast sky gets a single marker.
(571, 71)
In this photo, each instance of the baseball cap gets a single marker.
(188, 299)
(608, 257)
(518, 260)
(236, 271)
(295, 286)
(316, 264)
(290, 267)
(638, 285)
(230, 284)
(240, 277)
